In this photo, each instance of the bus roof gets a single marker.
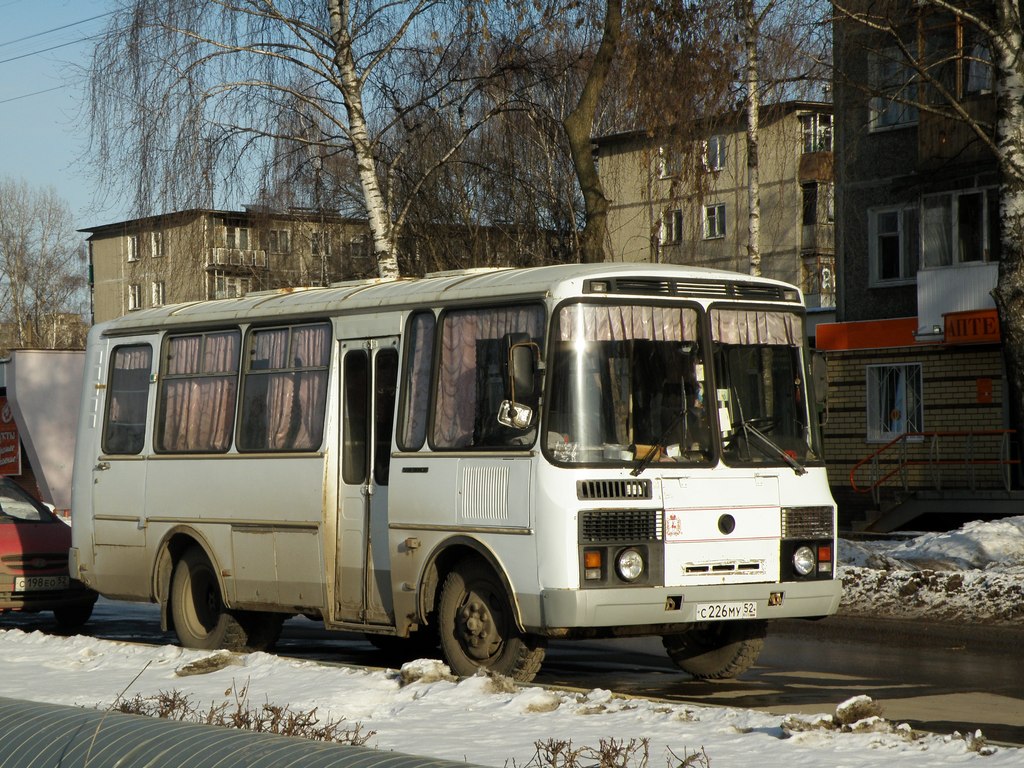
(556, 281)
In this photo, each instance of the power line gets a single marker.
(56, 29)
(34, 93)
(51, 48)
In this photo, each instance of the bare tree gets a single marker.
(42, 271)
(196, 99)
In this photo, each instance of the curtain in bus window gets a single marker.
(754, 326)
(471, 376)
(285, 395)
(417, 382)
(620, 323)
(125, 428)
(197, 399)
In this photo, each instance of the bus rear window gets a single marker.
(124, 428)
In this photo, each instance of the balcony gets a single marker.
(958, 288)
(237, 257)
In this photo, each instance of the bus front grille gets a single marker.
(613, 490)
(626, 525)
(807, 522)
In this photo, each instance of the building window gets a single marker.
(158, 293)
(817, 132)
(279, 241)
(133, 247)
(714, 153)
(134, 297)
(672, 227)
(237, 237)
(892, 81)
(156, 244)
(958, 227)
(230, 287)
(670, 163)
(714, 221)
(320, 243)
(893, 244)
(894, 401)
(810, 202)
(956, 57)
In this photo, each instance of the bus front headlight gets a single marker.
(804, 560)
(629, 564)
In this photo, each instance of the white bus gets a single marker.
(484, 459)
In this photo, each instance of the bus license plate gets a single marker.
(32, 583)
(725, 611)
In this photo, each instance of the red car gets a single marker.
(34, 561)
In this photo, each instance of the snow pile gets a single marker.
(972, 574)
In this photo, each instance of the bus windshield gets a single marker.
(760, 393)
(633, 384)
(628, 383)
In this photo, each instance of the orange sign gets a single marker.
(976, 327)
(10, 444)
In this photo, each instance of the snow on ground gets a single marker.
(968, 573)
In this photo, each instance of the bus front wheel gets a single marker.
(717, 651)
(478, 629)
(200, 618)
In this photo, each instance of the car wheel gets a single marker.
(197, 610)
(72, 617)
(478, 629)
(717, 651)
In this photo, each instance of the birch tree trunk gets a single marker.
(753, 106)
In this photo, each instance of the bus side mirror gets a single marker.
(819, 378)
(521, 357)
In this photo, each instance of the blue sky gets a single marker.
(43, 127)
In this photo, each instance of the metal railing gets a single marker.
(899, 455)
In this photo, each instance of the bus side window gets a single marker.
(385, 382)
(419, 354)
(124, 427)
(471, 381)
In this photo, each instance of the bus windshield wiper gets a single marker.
(653, 451)
(750, 429)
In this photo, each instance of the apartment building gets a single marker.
(201, 254)
(916, 427)
(690, 206)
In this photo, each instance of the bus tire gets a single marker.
(717, 651)
(197, 610)
(262, 628)
(478, 630)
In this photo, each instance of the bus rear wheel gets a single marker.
(717, 651)
(478, 630)
(200, 618)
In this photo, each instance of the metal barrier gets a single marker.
(34, 735)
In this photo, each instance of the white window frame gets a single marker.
(159, 293)
(949, 228)
(280, 241)
(230, 286)
(907, 231)
(134, 297)
(670, 163)
(714, 221)
(889, 77)
(156, 244)
(895, 401)
(237, 238)
(320, 243)
(133, 247)
(816, 128)
(672, 226)
(715, 152)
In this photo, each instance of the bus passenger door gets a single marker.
(369, 377)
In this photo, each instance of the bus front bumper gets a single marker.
(559, 611)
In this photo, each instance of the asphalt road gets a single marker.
(941, 678)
